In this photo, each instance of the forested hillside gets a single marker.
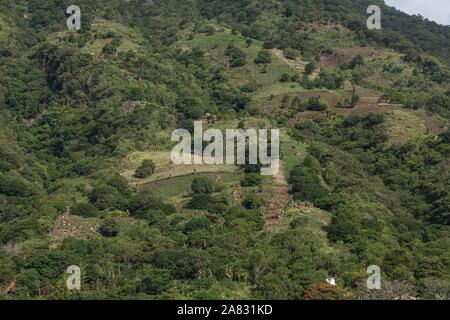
(85, 138)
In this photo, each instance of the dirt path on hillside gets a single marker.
(281, 199)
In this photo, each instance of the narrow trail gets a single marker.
(281, 198)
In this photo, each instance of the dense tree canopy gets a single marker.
(81, 110)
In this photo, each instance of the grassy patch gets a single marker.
(404, 126)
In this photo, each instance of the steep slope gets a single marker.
(365, 148)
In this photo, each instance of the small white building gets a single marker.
(332, 281)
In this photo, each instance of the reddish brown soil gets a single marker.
(281, 199)
(339, 56)
(67, 225)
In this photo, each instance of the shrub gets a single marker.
(323, 291)
(343, 227)
(119, 183)
(195, 224)
(330, 80)
(310, 67)
(12, 184)
(153, 216)
(116, 41)
(252, 201)
(306, 183)
(144, 200)
(298, 222)
(314, 104)
(355, 100)
(105, 197)
(237, 56)
(357, 61)
(250, 86)
(210, 30)
(182, 263)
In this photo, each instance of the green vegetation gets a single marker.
(251, 180)
(310, 67)
(86, 176)
(237, 56)
(84, 210)
(264, 57)
(291, 54)
(146, 169)
(109, 228)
